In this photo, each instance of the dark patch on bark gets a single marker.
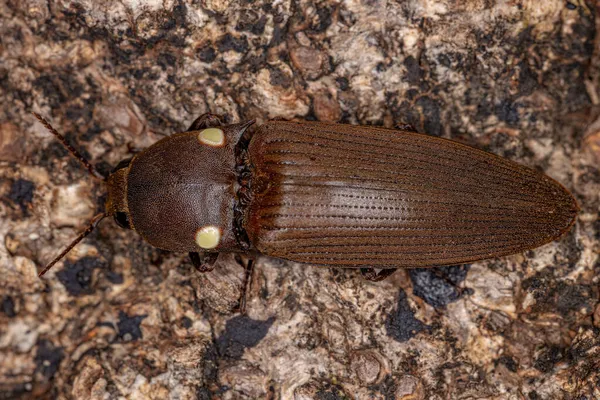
(509, 363)
(508, 112)
(533, 395)
(431, 115)
(251, 21)
(559, 296)
(572, 249)
(21, 194)
(166, 60)
(255, 63)
(528, 79)
(280, 32)
(49, 87)
(77, 112)
(279, 78)
(322, 390)
(332, 393)
(48, 358)
(547, 358)
(114, 277)
(207, 54)
(179, 13)
(230, 42)
(186, 322)
(438, 287)
(343, 83)
(203, 393)
(8, 306)
(414, 74)
(323, 20)
(77, 277)
(572, 298)
(129, 326)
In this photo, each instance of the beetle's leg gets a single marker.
(370, 274)
(205, 262)
(245, 285)
(205, 121)
(133, 149)
(406, 127)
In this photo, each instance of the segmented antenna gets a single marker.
(93, 223)
(92, 170)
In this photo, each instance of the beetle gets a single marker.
(330, 194)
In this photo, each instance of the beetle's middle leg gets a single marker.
(370, 274)
(205, 262)
(204, 121)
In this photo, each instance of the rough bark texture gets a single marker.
(121, 319)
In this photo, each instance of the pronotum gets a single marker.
(330, 194)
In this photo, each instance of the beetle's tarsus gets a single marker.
(406, 127)
(241, 308)
(205, 262)
(204, 121)
(370, 274)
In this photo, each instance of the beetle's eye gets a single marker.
(122, 219)
(122, 164)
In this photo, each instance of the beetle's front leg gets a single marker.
(370, 274)
(205, 262)
(204, 121)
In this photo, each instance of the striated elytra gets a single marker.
(331, 194)
(360, 196)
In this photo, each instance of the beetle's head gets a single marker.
(116, 196)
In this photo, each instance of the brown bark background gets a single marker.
(119, 319)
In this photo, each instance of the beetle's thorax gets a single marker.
(182, 192)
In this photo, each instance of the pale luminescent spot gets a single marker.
(212, 137)
(208, 237)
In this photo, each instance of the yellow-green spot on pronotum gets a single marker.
(208, 237)
(212, 137)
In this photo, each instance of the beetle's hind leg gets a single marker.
(205, 262)
(370, 274)
(249, 269)
(204, 121)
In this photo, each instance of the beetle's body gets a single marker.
(339, 195)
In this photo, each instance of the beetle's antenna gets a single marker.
(93, 171)
(93, 223)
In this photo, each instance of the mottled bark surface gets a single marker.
(118, 318)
